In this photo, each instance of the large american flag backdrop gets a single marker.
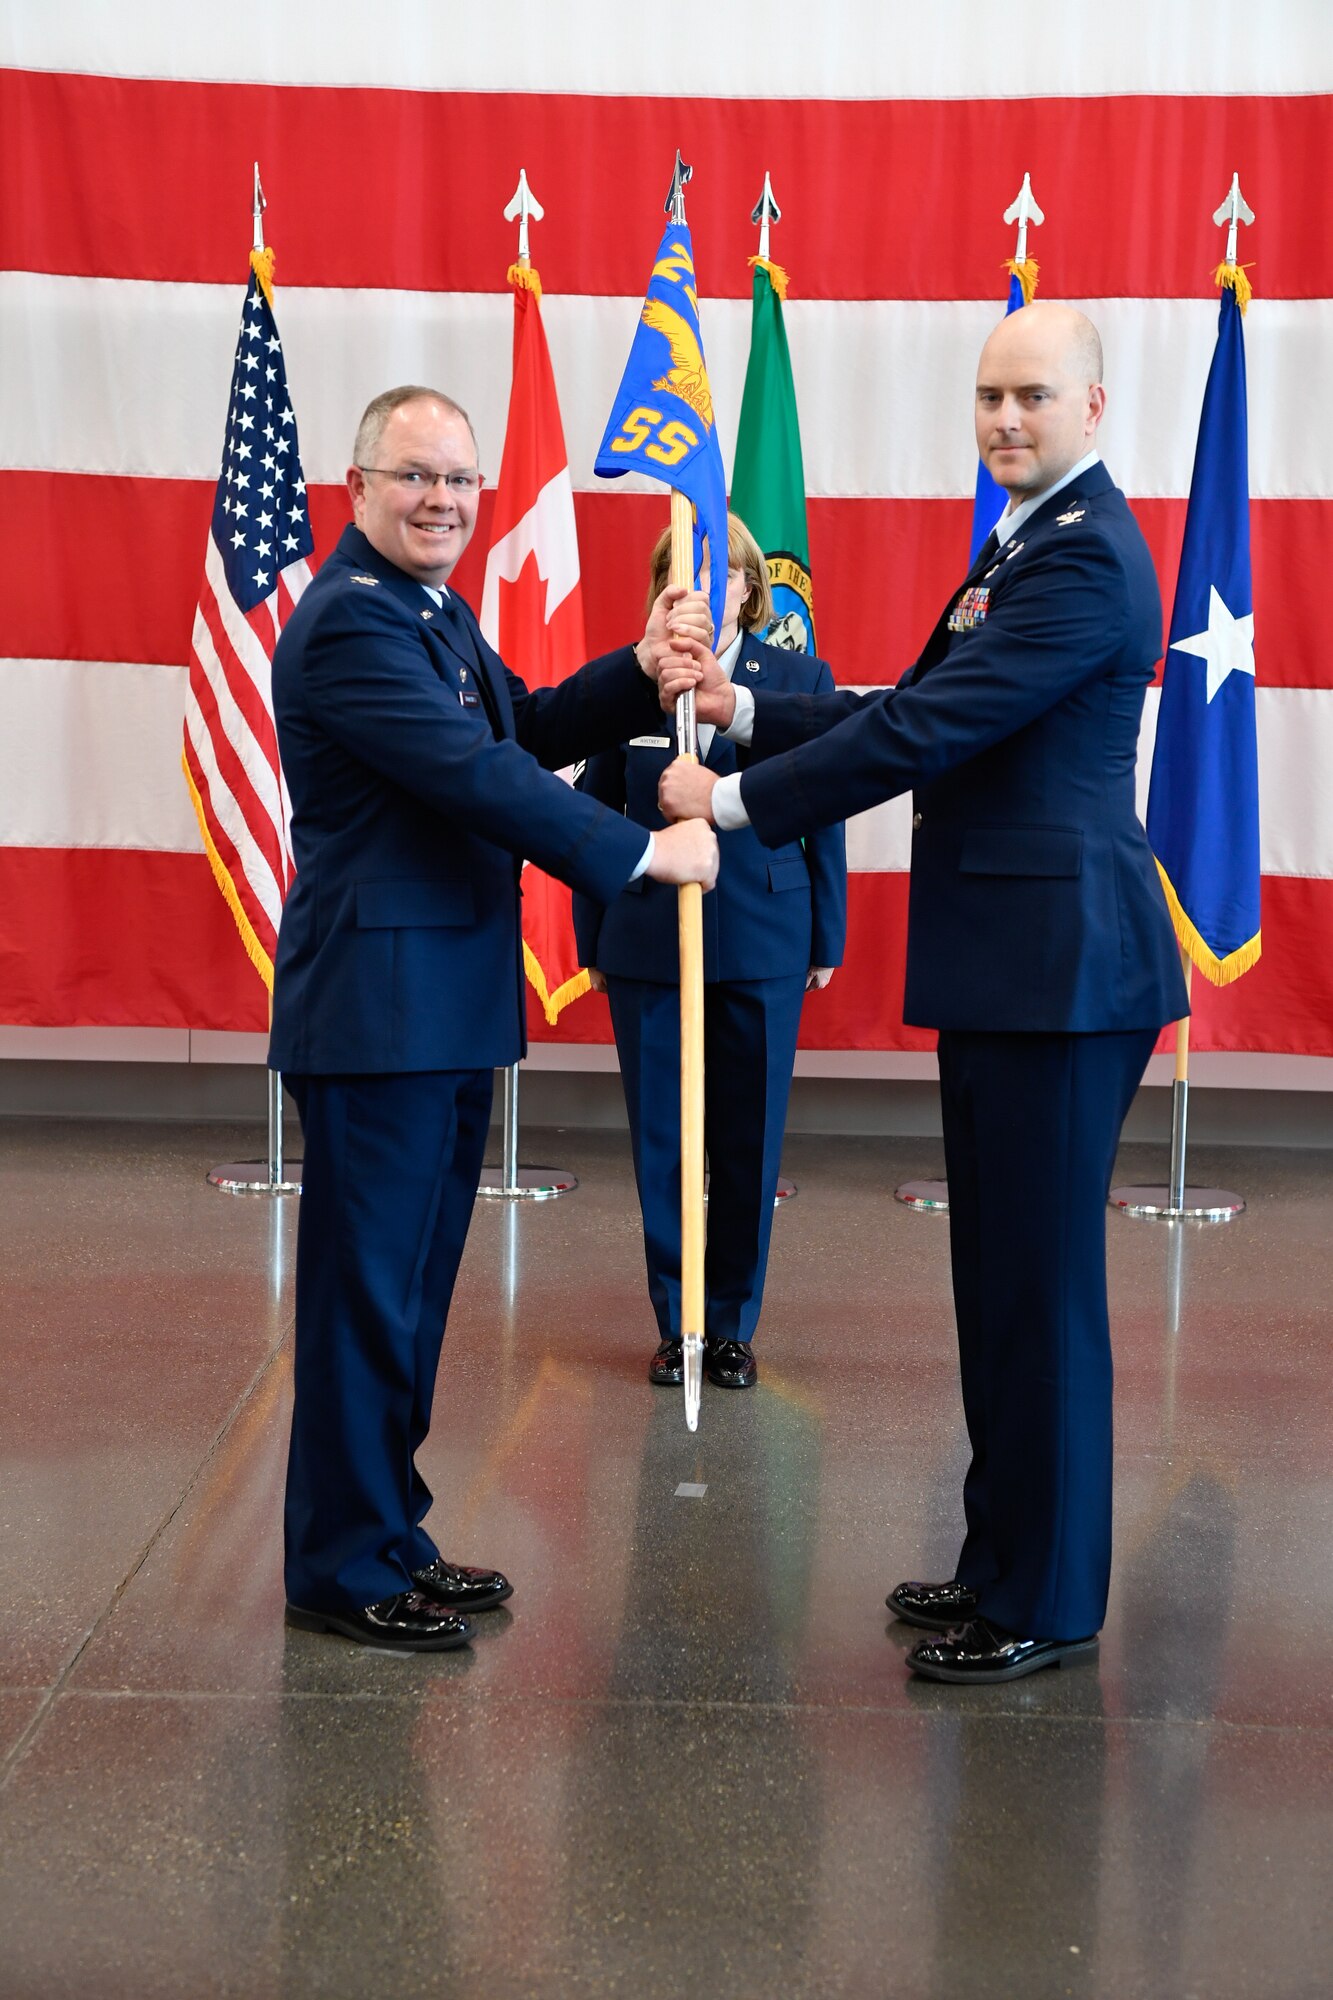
(389, 145)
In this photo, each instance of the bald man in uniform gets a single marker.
(1039, 946)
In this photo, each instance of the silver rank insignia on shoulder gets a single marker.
(970, 609)
(373, 581)
(1068, 520)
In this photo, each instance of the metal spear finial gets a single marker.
(1022, 210)
(1234, 210)
(675, 201)
(258, 211)
(764, 212)
(523, 205)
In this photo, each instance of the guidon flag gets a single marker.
(662, 420)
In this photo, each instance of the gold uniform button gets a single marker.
(916, 821)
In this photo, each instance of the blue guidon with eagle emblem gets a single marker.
(662, 421)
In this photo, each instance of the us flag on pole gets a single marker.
(255, 568)
(532, 602)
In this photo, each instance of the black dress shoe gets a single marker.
(730, 1364)
(982, 1653)
(940, 1607)
(461, 1589)
(667, 1367)
(407, 1623)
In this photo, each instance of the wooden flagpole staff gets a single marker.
(690, 920)
(691, 927)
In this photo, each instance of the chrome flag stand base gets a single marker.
(694, 1378)
(1191, 1204)
(1178, 1203)
(270, 1176)
(510, 1182)
(927, 1196)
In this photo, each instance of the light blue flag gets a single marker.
(1203, 803)
(991, 499)
(661, 422)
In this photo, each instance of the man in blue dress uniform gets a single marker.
(1040, 947)
(414, 760)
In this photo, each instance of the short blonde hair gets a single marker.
(743, 552)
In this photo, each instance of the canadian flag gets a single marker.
(531, 602)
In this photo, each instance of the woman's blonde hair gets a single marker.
(743, 552)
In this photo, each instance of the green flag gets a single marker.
(768, 485)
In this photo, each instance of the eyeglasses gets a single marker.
(415, 480)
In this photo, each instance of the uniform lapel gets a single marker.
(1068, 500)
(750, 671)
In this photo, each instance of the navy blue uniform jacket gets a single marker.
(773, 913)
(1035, 902)
(412, 802)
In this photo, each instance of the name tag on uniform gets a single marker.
(970, 610)
(469, 700)
(650, 743)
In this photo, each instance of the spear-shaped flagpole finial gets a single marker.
(1234, 210)
(764, 212)
(1022, 210)
(259, 206)
(675, 201)
(523, 205)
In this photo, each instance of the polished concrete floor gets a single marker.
(686, 1758)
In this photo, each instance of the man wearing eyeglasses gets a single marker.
(421, 774)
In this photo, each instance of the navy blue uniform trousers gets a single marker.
(391, 1170)
(1031, 1125)
(750, 1029)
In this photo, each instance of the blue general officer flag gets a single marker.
(662, 422)
(991, 499)
(1203, 802)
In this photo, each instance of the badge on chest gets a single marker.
(970, 610)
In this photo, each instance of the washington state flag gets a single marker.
(768, 484)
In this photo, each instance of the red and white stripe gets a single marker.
(895, 141)
(231, 751)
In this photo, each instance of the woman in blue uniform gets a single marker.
(773, 929)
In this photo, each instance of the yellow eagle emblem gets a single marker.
(687, 378)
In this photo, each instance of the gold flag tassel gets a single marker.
(777, 277)
(1026, 273)
(1234, 276)
(261, 263)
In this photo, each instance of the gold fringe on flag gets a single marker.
(573, 989)
(1234, 275)
(524, 278)
(254, 950)
(1026, 273)
(777, 277)
(1220, 971)
(261, 263)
